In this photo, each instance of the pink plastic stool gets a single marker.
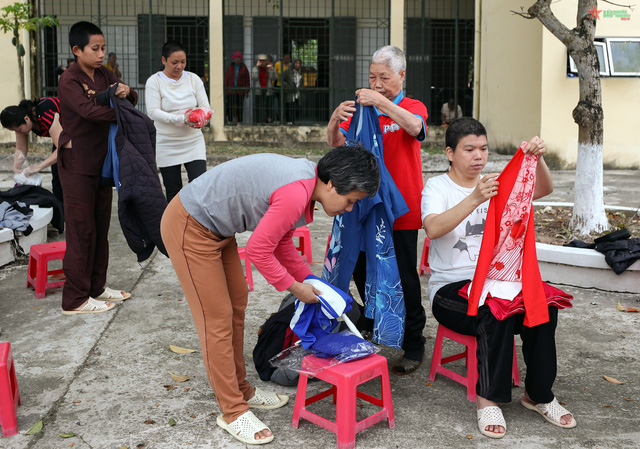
(38, 273)
(424, 260)
(471, 361)
(247, 267)
(304, 242)
(9, 394)
(344, 379)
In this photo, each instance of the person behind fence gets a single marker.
(169, 93)
(292, 82)
(270, 195)
(403, 125)
(263, 76)
(457, 215)
(38, 117)
(112, 64)
(449, 112)
(236, 82)
(82, 148)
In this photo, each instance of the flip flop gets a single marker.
(245, 428)
(91, 306)
(491, 416)
(551, 411)
(267, 400)
(110, 294)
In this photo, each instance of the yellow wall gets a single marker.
(522, 65)
(510, 74)
(10, 92)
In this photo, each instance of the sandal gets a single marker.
(91, 306)
(551, 411)
(404, 366)
(267, 400)
(491, 416)
(244, 428)
(113, 295)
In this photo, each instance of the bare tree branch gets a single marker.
(541, 10)
(526, 15)
(618, 4)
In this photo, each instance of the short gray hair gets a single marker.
(390, 56)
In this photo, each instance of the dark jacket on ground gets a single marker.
(141, 201)
(36, 196)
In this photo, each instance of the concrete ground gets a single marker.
(105, 377)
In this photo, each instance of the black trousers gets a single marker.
(172, 176)
(406, 246)
(495, 346)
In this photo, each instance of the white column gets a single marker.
(216, 69)
(396, 24)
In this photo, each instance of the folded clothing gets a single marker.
(344, 346)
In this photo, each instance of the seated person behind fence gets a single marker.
(448, 112)
(41, 117)
(270, 195)
(454, 209)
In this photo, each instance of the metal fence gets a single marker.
(333, 39)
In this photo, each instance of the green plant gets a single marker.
(16, 17)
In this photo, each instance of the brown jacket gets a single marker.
(84, 121)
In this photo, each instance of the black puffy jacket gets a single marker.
(141, 201)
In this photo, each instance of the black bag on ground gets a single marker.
(275, 336)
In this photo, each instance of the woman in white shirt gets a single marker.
(168, 95)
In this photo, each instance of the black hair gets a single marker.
(171, 47)
(13, 116)
(80, 33)
(350, 168)
(460, 128)
(109, 55)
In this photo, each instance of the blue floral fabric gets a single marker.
(368, 227)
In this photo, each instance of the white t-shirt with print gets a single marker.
(453, 256)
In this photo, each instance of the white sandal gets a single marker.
(110, 294)
(91, 306)
(491, 416)
(551, 411)
(267, 400)
(244, 428)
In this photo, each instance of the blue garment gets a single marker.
(111, 166)
(311, 321)
(344, 346)
(368, 227)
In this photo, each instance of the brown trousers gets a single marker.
(87, 214)
(212, 279)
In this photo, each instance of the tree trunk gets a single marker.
(20, 62)
(588, 210)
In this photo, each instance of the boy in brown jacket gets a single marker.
(83, 147)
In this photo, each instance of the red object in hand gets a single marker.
(198, 117)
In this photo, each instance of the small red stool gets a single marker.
(247, 267)
(424, 260)
(9, 394)
(471, 361)
(304, 242)
(344, 379)
(38, 273)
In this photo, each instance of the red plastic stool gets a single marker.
(304, 242)
(471, 361)
(9, 394)
(247, 267)
(424, 260)
(38, 273)
(344, 379)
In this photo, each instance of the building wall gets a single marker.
(524, 91)
(10, 92)
(509, 75)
